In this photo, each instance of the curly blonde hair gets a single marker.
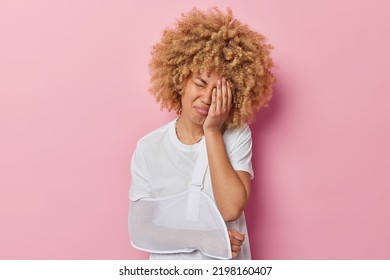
(213, 41)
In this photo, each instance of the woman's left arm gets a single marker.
(230, 187)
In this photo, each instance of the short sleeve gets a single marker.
(239, 148)
(139, 186)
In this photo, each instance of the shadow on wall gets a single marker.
(256, 210)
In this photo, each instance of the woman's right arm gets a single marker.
(159, 225)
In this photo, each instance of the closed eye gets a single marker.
(200, 82)
(200, 85)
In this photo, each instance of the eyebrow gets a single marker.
(202, 80)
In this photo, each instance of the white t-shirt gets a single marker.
(162, 166)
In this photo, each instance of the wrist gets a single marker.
(212, 131)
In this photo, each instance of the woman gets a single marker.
(215, 73)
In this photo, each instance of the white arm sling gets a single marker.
(181, 223)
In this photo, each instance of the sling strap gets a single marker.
(196, 184)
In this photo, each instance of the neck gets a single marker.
(188, 132)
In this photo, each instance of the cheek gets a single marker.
(186, 100)
(191, 95)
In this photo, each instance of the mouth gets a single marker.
(202, 111)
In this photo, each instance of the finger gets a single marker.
(234, 254)
(235, 242)
(236, 248)
(234, 232)
(218, 106)
(237, 235)
(229, 96)
(224, 95)
(213, 100)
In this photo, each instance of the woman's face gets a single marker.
(196, 98)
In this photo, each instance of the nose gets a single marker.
(206, 97)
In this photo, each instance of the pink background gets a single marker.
(74, 101)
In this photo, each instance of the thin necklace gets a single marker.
(177, 135)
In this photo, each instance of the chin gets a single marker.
(200, 120)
